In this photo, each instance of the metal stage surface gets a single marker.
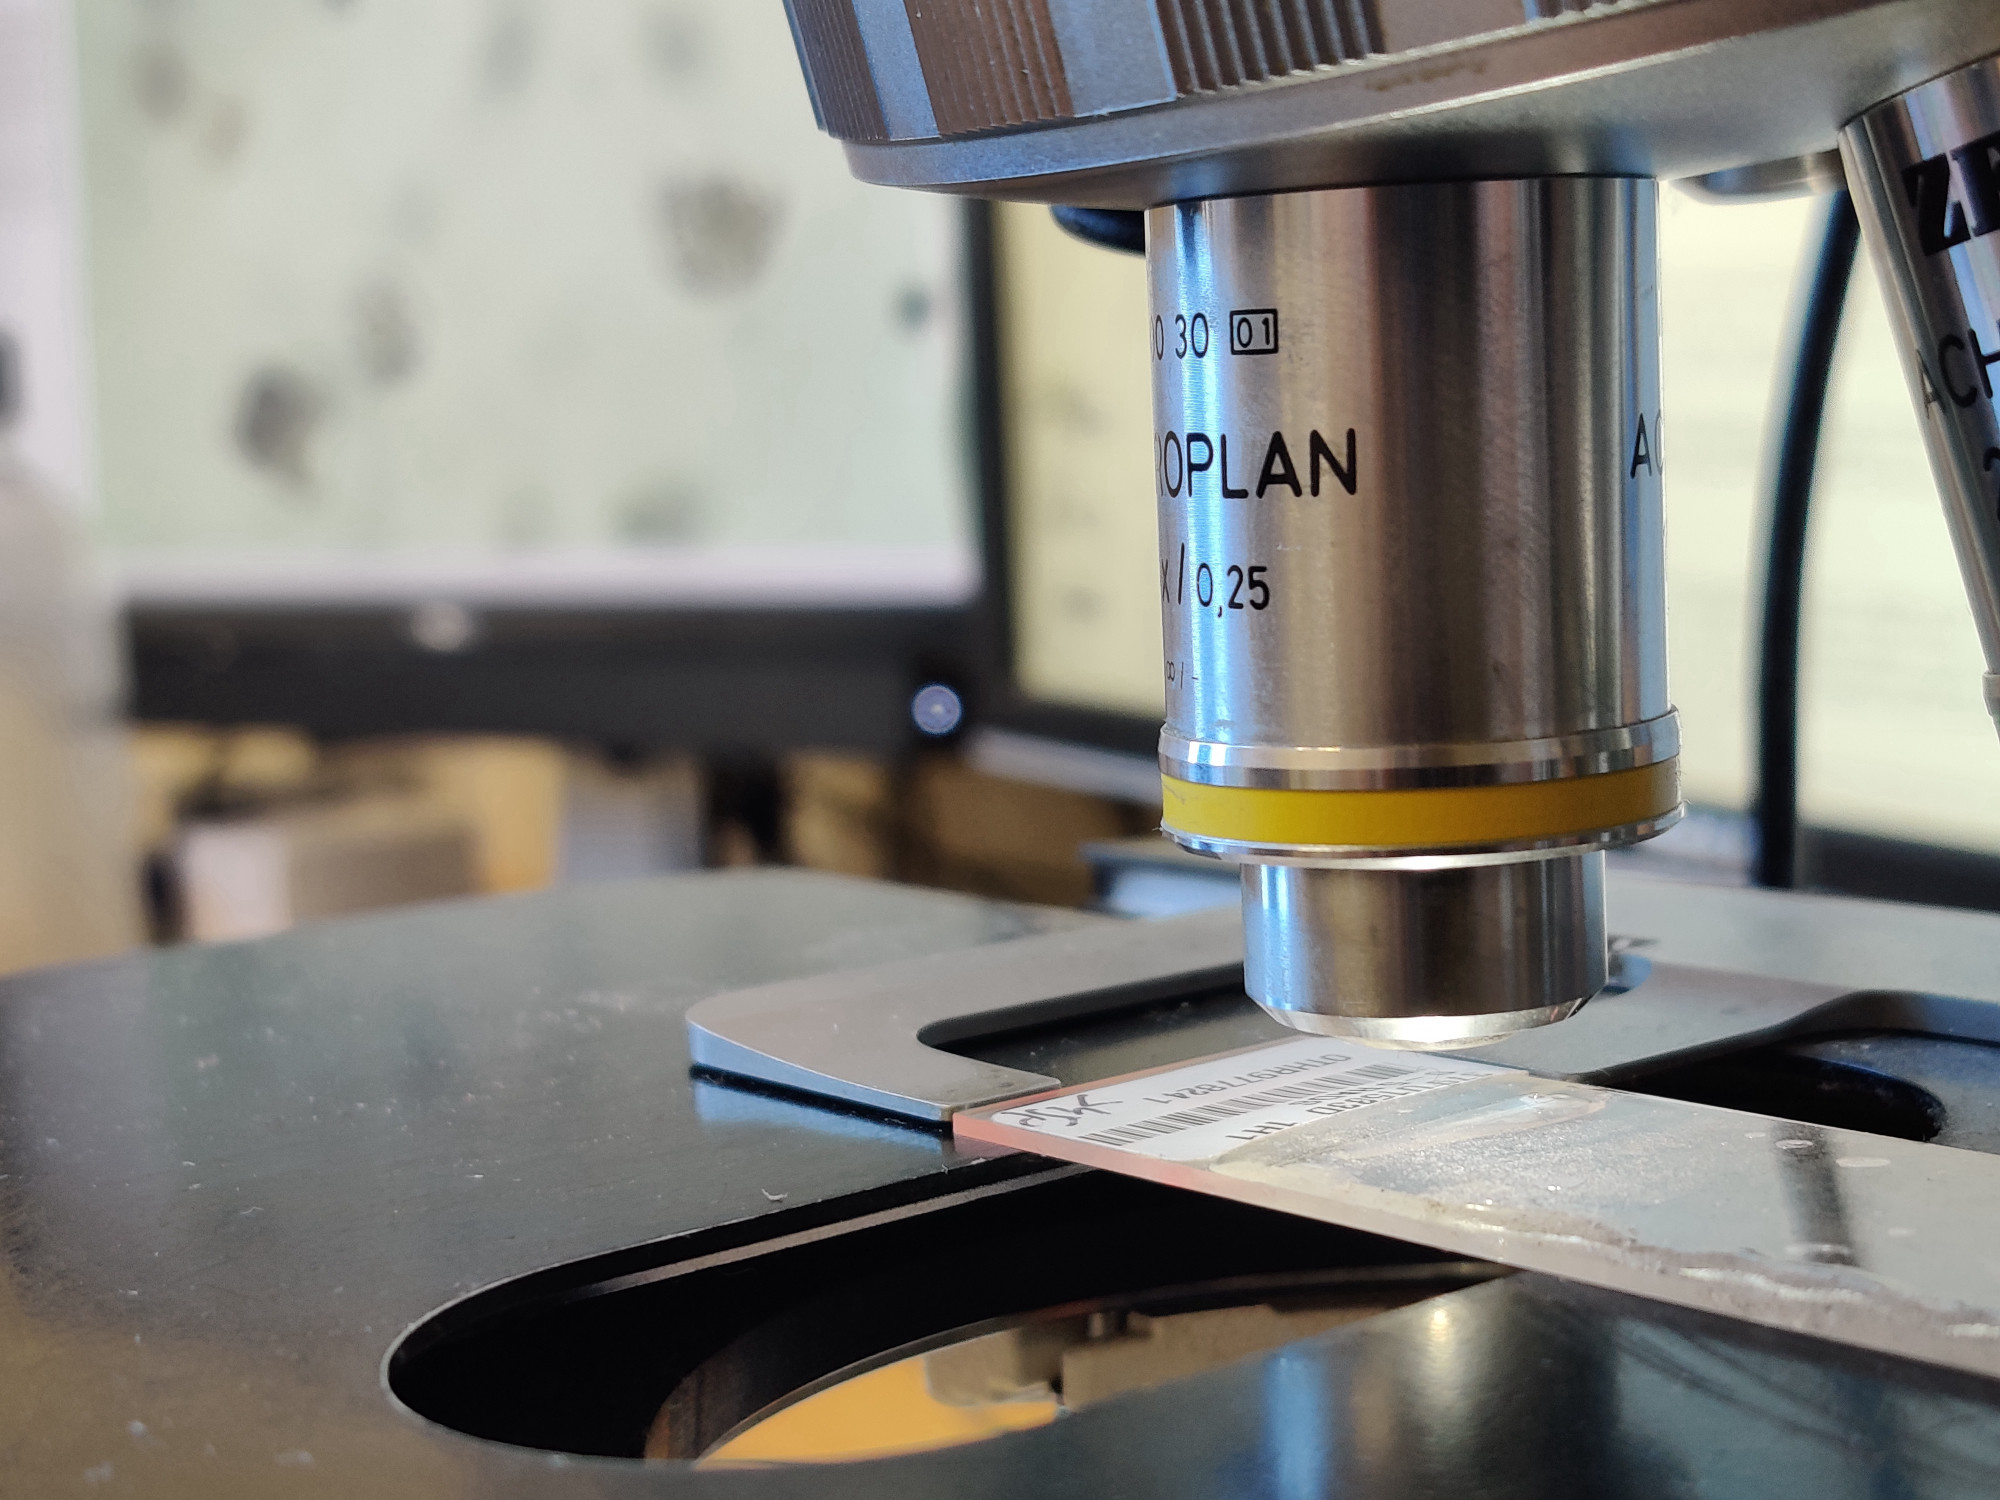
(233, 1177)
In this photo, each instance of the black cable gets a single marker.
(1113, 228)
(1784, 569)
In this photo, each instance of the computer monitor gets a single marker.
(517, 367)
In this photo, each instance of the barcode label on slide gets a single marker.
(1204, 1109)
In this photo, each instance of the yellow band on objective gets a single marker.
(1423, 817)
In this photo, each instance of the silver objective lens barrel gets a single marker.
(1925, 170)
(1408, 459)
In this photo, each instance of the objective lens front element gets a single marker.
(1425, 959)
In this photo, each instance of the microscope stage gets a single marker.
(432, 1203)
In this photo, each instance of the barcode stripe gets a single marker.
(1368, 1084)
